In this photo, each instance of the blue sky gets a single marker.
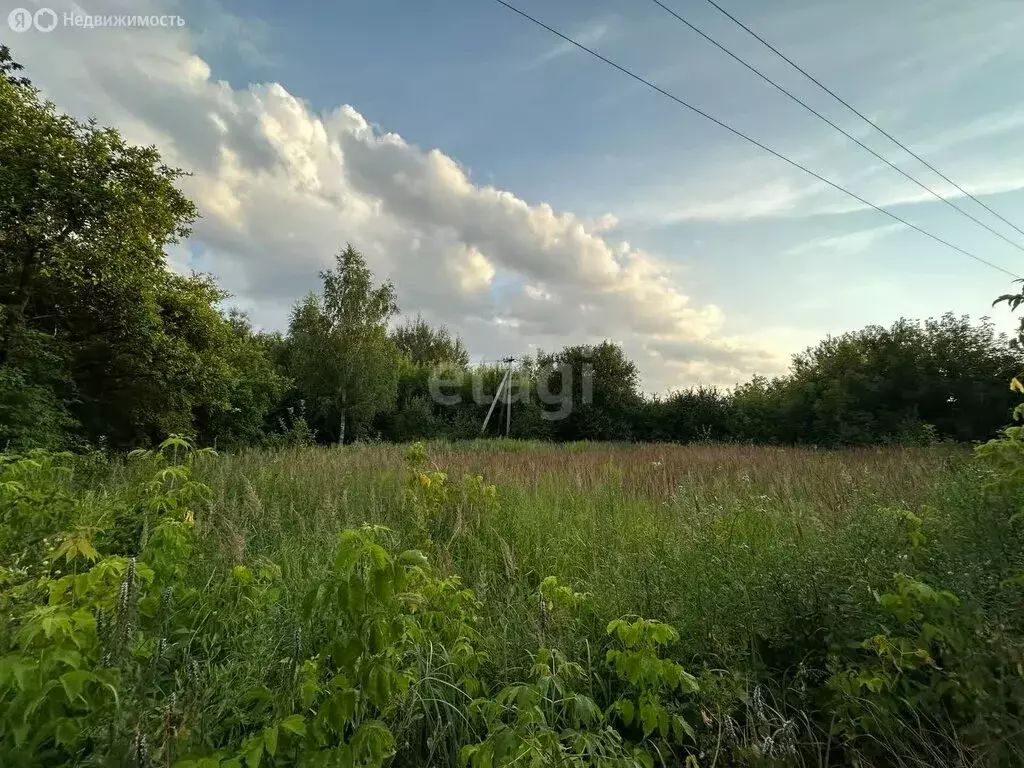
(720, 260)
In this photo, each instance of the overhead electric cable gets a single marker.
(751, 140)
(860, 114)
(845, 133)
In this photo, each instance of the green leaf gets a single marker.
(625, 709)
(73, 682)
(648, 717)
(254, 754)
(270, 739)
(294, 724)
(413, 557)
(66, 733)
(680, 726)
(18, 668)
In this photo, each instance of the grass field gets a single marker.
(776, 567)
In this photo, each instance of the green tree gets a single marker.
(601, 384)
(343, 361)
(80, 207)
(9, 68)
(944, 377)
(428, 346)
(251, 388)
(98, 339)
(1014, 301)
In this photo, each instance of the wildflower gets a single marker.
(126, 598)
(168, 722)
(544, 615)
(127, 588)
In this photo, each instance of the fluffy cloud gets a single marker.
(281, 187)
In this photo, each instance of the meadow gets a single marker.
(512, 603)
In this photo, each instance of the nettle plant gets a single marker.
(1003, 457)
(33, 506)
(903, 667)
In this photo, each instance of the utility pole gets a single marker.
(508, 396)
(506, 385)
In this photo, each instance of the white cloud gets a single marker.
(728, 193)
(848, 244)
(936, 89)
(281, 187)
(589, 35)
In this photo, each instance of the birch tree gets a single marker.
(343, 360)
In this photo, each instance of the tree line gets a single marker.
(102, 345)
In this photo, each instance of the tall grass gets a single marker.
(767, 561)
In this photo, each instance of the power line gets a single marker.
(860, 114)
(823, 118)
(755, 142)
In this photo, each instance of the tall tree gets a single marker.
(600, 384)
(98, 339)
(80, 207)
(882, 384)
(426, 345)
(342, 358)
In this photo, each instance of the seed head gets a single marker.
(786, 738)
(166, 600)
(101, 625)
(160, 652)
(192, 674)
(757, 703)
(731, 732)
(140, 750)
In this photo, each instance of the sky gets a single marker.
(529, 196)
